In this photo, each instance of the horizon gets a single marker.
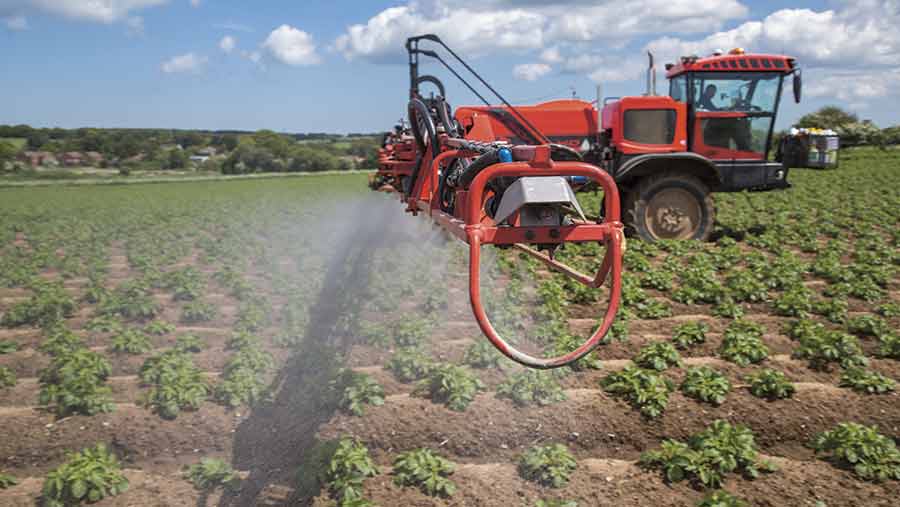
(337, 68)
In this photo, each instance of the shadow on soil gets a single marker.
(279, 436)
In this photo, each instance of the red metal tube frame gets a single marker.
(610, 231)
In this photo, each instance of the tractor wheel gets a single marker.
(670, 205)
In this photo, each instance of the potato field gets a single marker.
(303, 341)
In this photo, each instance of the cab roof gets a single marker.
(732, 62)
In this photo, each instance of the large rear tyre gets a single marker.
(670, 205)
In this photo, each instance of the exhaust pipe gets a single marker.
(651, 76)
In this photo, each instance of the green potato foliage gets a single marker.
(482, 354)
(550, 465)
(349, 466)
(742, 344)
(7, 377)
(708, 456)
(211, 473)
(861, 449)
(131, 341)
(453, 386)
(646, 390)
(409, 365)
(721, 499)
(866, 381)
(658, 356)
(360, 390)
(770, 384)
(425, 470)
(532, 387)
(74, 383)
(175, 383)
(86, 477)
(706, 384)
(689, 334)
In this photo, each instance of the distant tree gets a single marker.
(828, 117)
(189, 138)
(37, 140)
(176, 159)
(7, 153)
(227, 141)
(277, 144)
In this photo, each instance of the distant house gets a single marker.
(38, 158)
(72, 159)
(206, 152)
(199, 159)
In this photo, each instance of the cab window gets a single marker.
(678, 88)
(736, 91)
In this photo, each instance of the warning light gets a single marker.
(736, 51)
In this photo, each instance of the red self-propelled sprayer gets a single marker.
(494, 192)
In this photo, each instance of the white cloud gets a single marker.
(850, 53)
(857, 87)
(863, 33)
(189, 62)
(102, 11)
(16, 23)
(551, 55)
(292, 46)
(531, 71)
(227, 44)
(486, 26)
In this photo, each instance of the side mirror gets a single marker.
(798, 85)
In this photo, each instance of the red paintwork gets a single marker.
(718, 152)
(614, 118)
(567, 121)
(734, 63)
(472, 225)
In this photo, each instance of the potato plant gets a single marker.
(359, 390)
(531, 387)
(867, 453)
(770, 384)
(8, 346)
(211, 473)
(658, 356)
(86, 477)
(689, 334)
(866, 381)
(742, 344)
(175, 383)
(131, 341)
(482, 354)
(425, 470)
(706, 384)
(198, 311)
(74, 383)
(721, 499)
(349, 466)
(7, 481)
(646, 390)
(453, 386)
(48, 306)
(409, 364)
(709, 456)
(7, 377)
(550, 465)
(827, 347)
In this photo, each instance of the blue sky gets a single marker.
(337, 66)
